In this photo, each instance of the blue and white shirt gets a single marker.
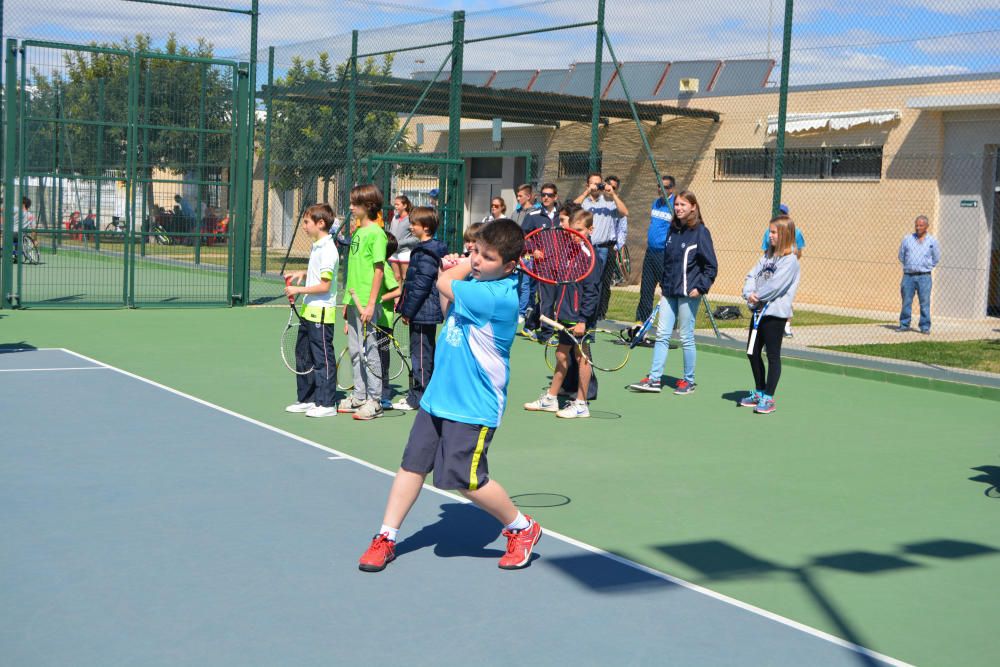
(919, 256)
(472, 359)
(609, 224)
(660, 217)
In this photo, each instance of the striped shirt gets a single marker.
(918, 256)
(609, 224)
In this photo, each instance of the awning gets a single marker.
(836, 120)
(518, 106)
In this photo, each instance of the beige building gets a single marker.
(862, 161)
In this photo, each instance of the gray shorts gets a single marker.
(455, 451)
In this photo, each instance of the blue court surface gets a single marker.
(145, 527)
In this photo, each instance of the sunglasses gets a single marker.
(548, 194)
(494, 205)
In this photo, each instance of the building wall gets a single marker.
(932, 160)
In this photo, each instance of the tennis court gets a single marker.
(193, 521)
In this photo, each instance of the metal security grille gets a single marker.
(127, 170)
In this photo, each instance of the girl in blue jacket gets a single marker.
(689, 269)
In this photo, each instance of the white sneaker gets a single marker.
(574, 410)
(402, 405)
(349, 404)
(321, 411)
(545, 403)
(370, 409)
(300, 407)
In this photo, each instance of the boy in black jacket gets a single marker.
(572, 305)
(420, 304)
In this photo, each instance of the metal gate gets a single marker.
(416, 176)
(131, 169)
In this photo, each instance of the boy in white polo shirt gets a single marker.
(315, 340)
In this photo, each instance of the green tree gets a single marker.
(95, 86)
(309, 137)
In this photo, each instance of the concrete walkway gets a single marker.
(943, 329)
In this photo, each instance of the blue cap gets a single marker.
(433, 193)
(783, 208)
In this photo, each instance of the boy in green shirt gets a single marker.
(366, 279)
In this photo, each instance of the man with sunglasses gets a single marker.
(543, 218)
(660, 218)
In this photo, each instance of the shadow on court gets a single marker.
(734, 396)
(16, 347)
(719, 561)
(462, 530)
(991, 478)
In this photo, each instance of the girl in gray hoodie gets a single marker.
(769, 290)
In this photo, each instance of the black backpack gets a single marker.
(728, 313)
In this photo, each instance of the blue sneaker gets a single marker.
(750, 400)
(765, 406)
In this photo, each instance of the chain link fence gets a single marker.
(891, 114)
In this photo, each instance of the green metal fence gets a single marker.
(129, 166)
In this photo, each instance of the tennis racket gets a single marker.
(603, 349)
(392, 359)
(300, 365)
(557, 256)
(756, 314)
(643, 330)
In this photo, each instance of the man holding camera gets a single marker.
(600, 197)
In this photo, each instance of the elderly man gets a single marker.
(919, 253)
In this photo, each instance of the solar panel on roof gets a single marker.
(476, 77)
(513, 78)
(549, 81)
(742, 76)
(427, 76)
(580, 81)
(641, 79)
(703, 70)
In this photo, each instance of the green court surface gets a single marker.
(866, 509)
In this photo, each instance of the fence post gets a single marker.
(9, 156)
(779, 148)
(267, 161)
(100, 164)
(352, 111)
(240, 271)
(595, 103)
(453, 204)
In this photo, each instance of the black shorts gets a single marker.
(564, 337)
(455, 451)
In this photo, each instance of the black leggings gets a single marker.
(770, 333)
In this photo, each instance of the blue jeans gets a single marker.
(675, 309)
(921, 284)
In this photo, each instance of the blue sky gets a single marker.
(833, 40)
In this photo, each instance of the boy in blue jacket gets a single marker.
(420, 304)
(572, 305)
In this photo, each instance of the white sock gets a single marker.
(390, 533)
(519, 523)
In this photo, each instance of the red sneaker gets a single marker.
(519, 546)
(381, 552)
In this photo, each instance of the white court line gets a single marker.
(64, 368)
(569, 540)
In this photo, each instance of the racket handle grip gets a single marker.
(552, 323)
(288, 283)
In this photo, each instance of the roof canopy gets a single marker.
(834, 120)
(512, 105)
